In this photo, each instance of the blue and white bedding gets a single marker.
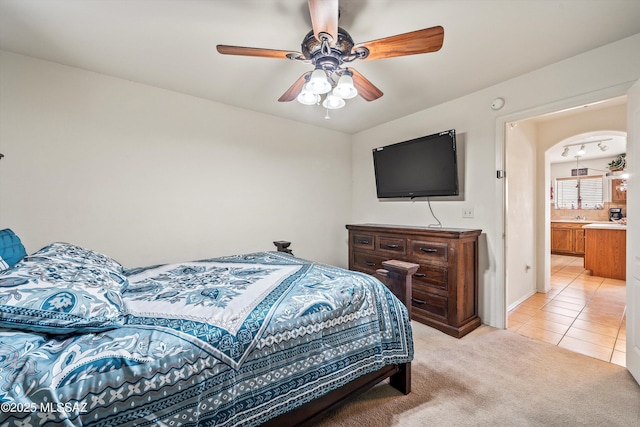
(231, 341)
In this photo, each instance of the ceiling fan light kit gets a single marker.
(319, 84)
(330, 48)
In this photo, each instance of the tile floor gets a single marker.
(581, 312)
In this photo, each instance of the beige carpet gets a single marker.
(497, 378)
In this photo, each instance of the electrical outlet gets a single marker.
(467, 212)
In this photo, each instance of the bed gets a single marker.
(256, 339)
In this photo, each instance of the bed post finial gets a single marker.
(282, 246)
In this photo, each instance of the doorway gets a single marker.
(531, 273)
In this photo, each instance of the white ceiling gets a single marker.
(613, 142)
(171, 44)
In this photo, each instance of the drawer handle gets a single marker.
(391, 246)
(429, 250)
(420, 275)
(418, 301)
(370, 264)
(363, 242)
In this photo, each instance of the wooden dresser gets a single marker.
(445, 287)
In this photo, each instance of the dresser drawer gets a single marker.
(392, 245)
(429, 251)
(363, 241)
(367, 262)
(445, 286)
(428, 304)
(433, 276)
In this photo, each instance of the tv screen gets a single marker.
(420, 167)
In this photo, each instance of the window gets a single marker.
(584, 192)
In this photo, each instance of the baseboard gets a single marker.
(520, 301)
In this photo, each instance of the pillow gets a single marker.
(77, 254)
(58, 296)
(11, 249)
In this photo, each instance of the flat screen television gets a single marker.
(420, 167)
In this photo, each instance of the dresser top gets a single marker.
(414, 229)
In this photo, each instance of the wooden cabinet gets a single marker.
(567, 238)
(618, 195)
(606, 252)
(445, 287)
(578, 240)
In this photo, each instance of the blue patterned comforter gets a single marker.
(231, 341)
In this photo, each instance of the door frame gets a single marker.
(633, 247)
(500, 131)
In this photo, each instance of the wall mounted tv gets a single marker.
(420, 167)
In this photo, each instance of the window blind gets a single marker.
(589, 189)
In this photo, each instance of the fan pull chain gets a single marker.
(326, 117)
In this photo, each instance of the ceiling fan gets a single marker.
(330, 49)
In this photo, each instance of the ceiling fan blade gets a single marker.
(324, 18)
(415, 42)
(365, 88)
(295, 89)
(256, 51)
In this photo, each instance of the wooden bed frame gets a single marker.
(397, 277)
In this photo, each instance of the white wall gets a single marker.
(147, 175)
(520, 218)
(554, 86)
(595, 167)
